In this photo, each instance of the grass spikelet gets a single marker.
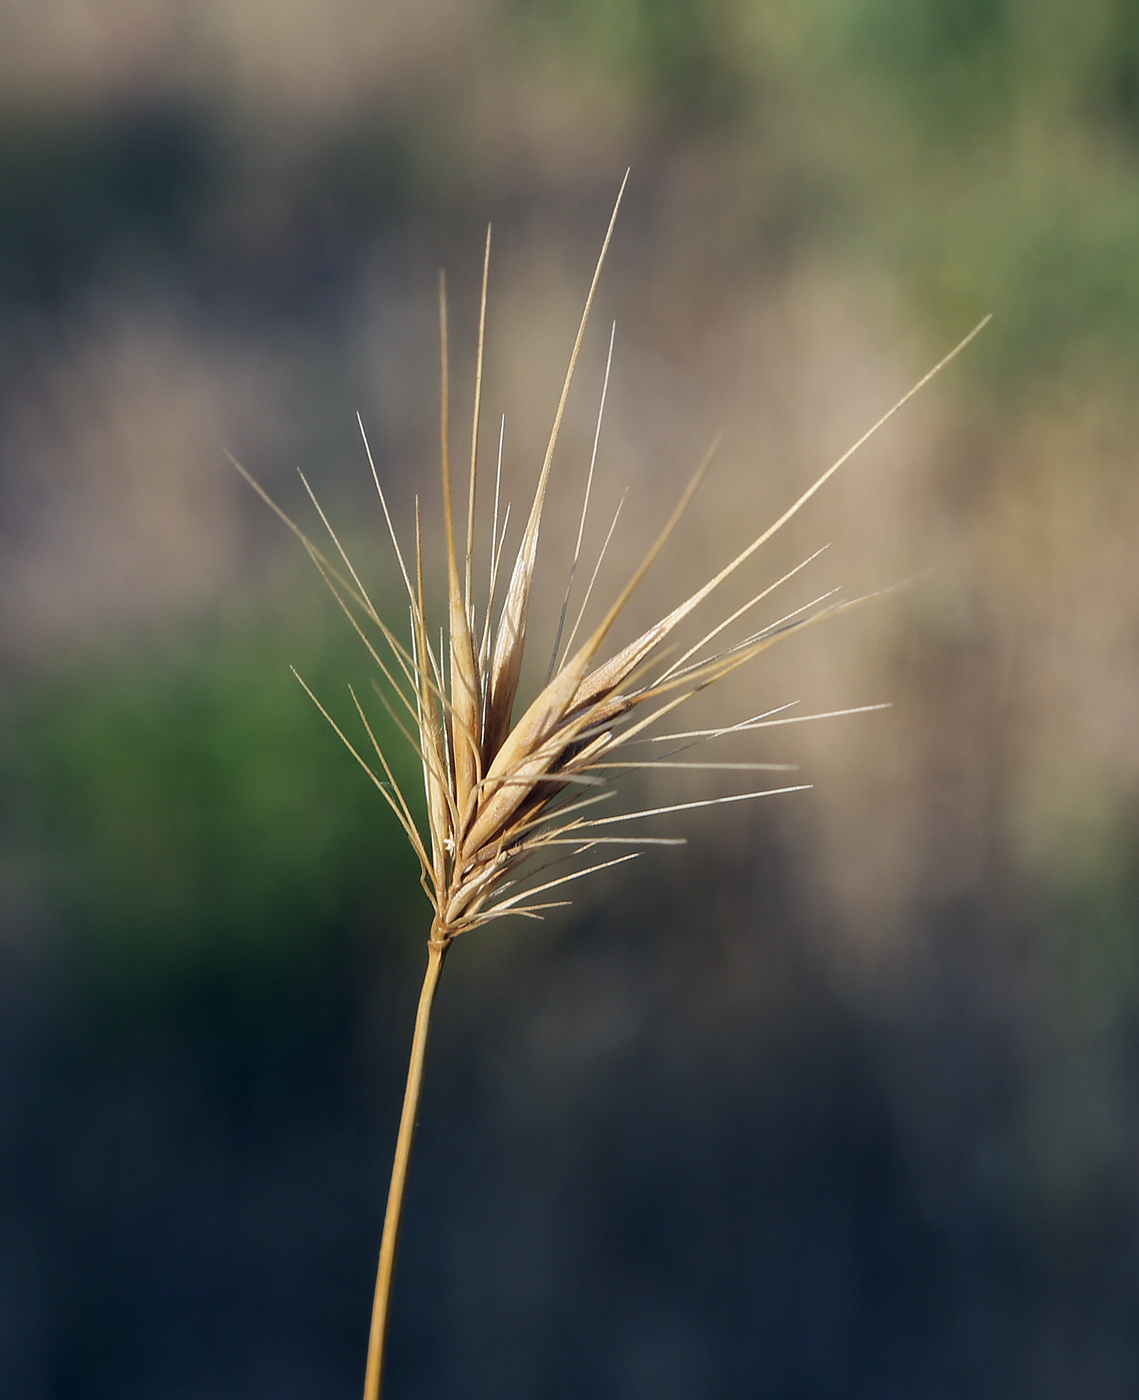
(504, 793)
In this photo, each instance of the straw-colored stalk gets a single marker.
(502, 792)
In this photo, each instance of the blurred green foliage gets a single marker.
(681, 56)
(187, 801)
(981, 153)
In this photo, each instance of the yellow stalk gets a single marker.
(381, 1302)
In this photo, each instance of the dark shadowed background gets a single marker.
(838, 1101)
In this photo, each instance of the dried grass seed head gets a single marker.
(501, 792)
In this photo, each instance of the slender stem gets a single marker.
(436, 951)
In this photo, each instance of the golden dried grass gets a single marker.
(502, 794)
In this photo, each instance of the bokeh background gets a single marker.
(839, 1100)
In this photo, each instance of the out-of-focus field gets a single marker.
(839, 1101)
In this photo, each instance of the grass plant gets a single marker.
(508, 800)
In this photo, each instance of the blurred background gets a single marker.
(839, 1100)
